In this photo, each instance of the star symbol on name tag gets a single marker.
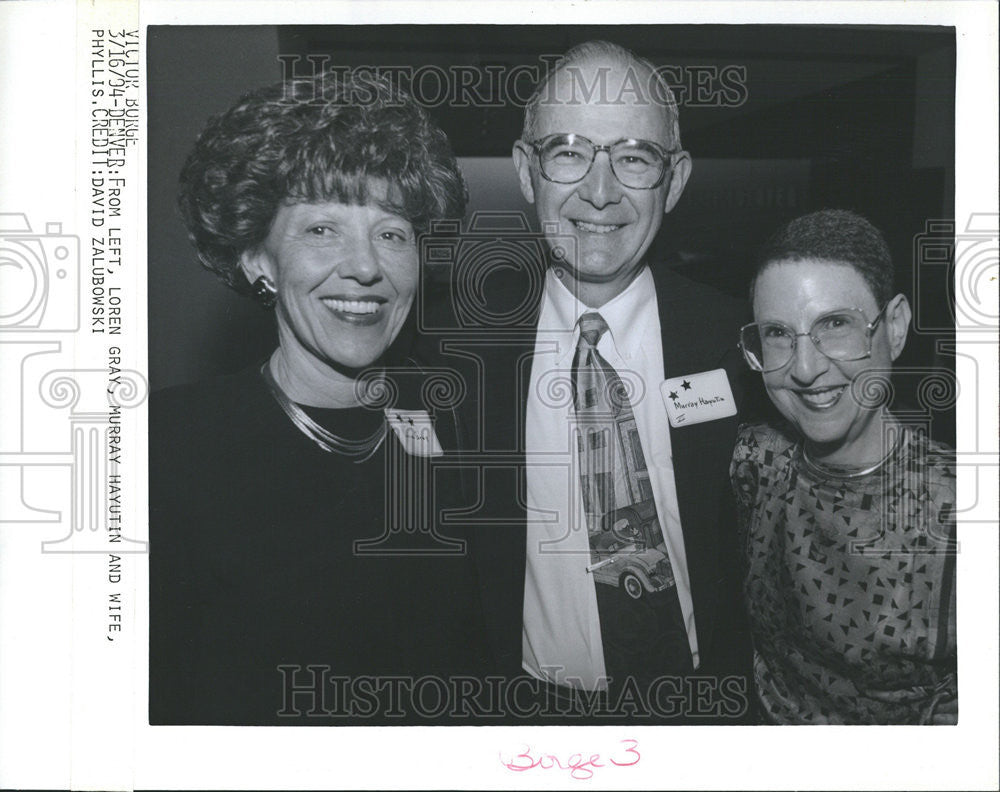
(673, 394)
(686, 385)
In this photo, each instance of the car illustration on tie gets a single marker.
(629, 551)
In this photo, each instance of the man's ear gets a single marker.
(254, 263)
(678, 179)
(897, 323)
(522, 162)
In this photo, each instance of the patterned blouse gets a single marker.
(850, 581)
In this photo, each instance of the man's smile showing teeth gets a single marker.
(360, 307)
(595, 228)
(821, 398)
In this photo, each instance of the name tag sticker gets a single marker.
(415, 431)
(697, 398)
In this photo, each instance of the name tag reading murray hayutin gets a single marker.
(415, 431)
(697, 398)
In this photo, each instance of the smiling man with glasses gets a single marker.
(627, 584)
(849, 512)
(600, 157)
(567, 159)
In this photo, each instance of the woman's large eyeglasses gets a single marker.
(566, 159)
(841, 335)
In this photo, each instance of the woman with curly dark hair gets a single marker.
(294, 552)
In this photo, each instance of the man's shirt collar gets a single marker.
(626, 314)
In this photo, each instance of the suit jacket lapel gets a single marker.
(700, 451)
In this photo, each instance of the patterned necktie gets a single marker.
(641, 624)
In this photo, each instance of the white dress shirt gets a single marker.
(562, 631)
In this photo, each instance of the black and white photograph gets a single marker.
(507, 374)
(436, 223)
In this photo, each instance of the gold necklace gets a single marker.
(849, 473)
(358, 450)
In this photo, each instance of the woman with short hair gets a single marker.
(848, 510)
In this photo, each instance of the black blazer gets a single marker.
(699, 332)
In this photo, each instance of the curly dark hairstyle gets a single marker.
(835, 235)
(307, 141)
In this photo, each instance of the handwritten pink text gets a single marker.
(580, 767)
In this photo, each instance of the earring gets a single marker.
(264, 292)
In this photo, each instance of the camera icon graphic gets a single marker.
(494, 271)
(962, 264)
(39, 277)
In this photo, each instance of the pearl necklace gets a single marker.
(358, 450)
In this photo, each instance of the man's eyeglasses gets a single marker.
(841, 335)
(566, 159)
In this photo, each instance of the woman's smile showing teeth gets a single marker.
(822, 398)
(362, 310)
(353, 306)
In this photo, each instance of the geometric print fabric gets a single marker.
(850, 581)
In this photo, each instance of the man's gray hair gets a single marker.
(657, 88)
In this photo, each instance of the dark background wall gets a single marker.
(846, 116)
